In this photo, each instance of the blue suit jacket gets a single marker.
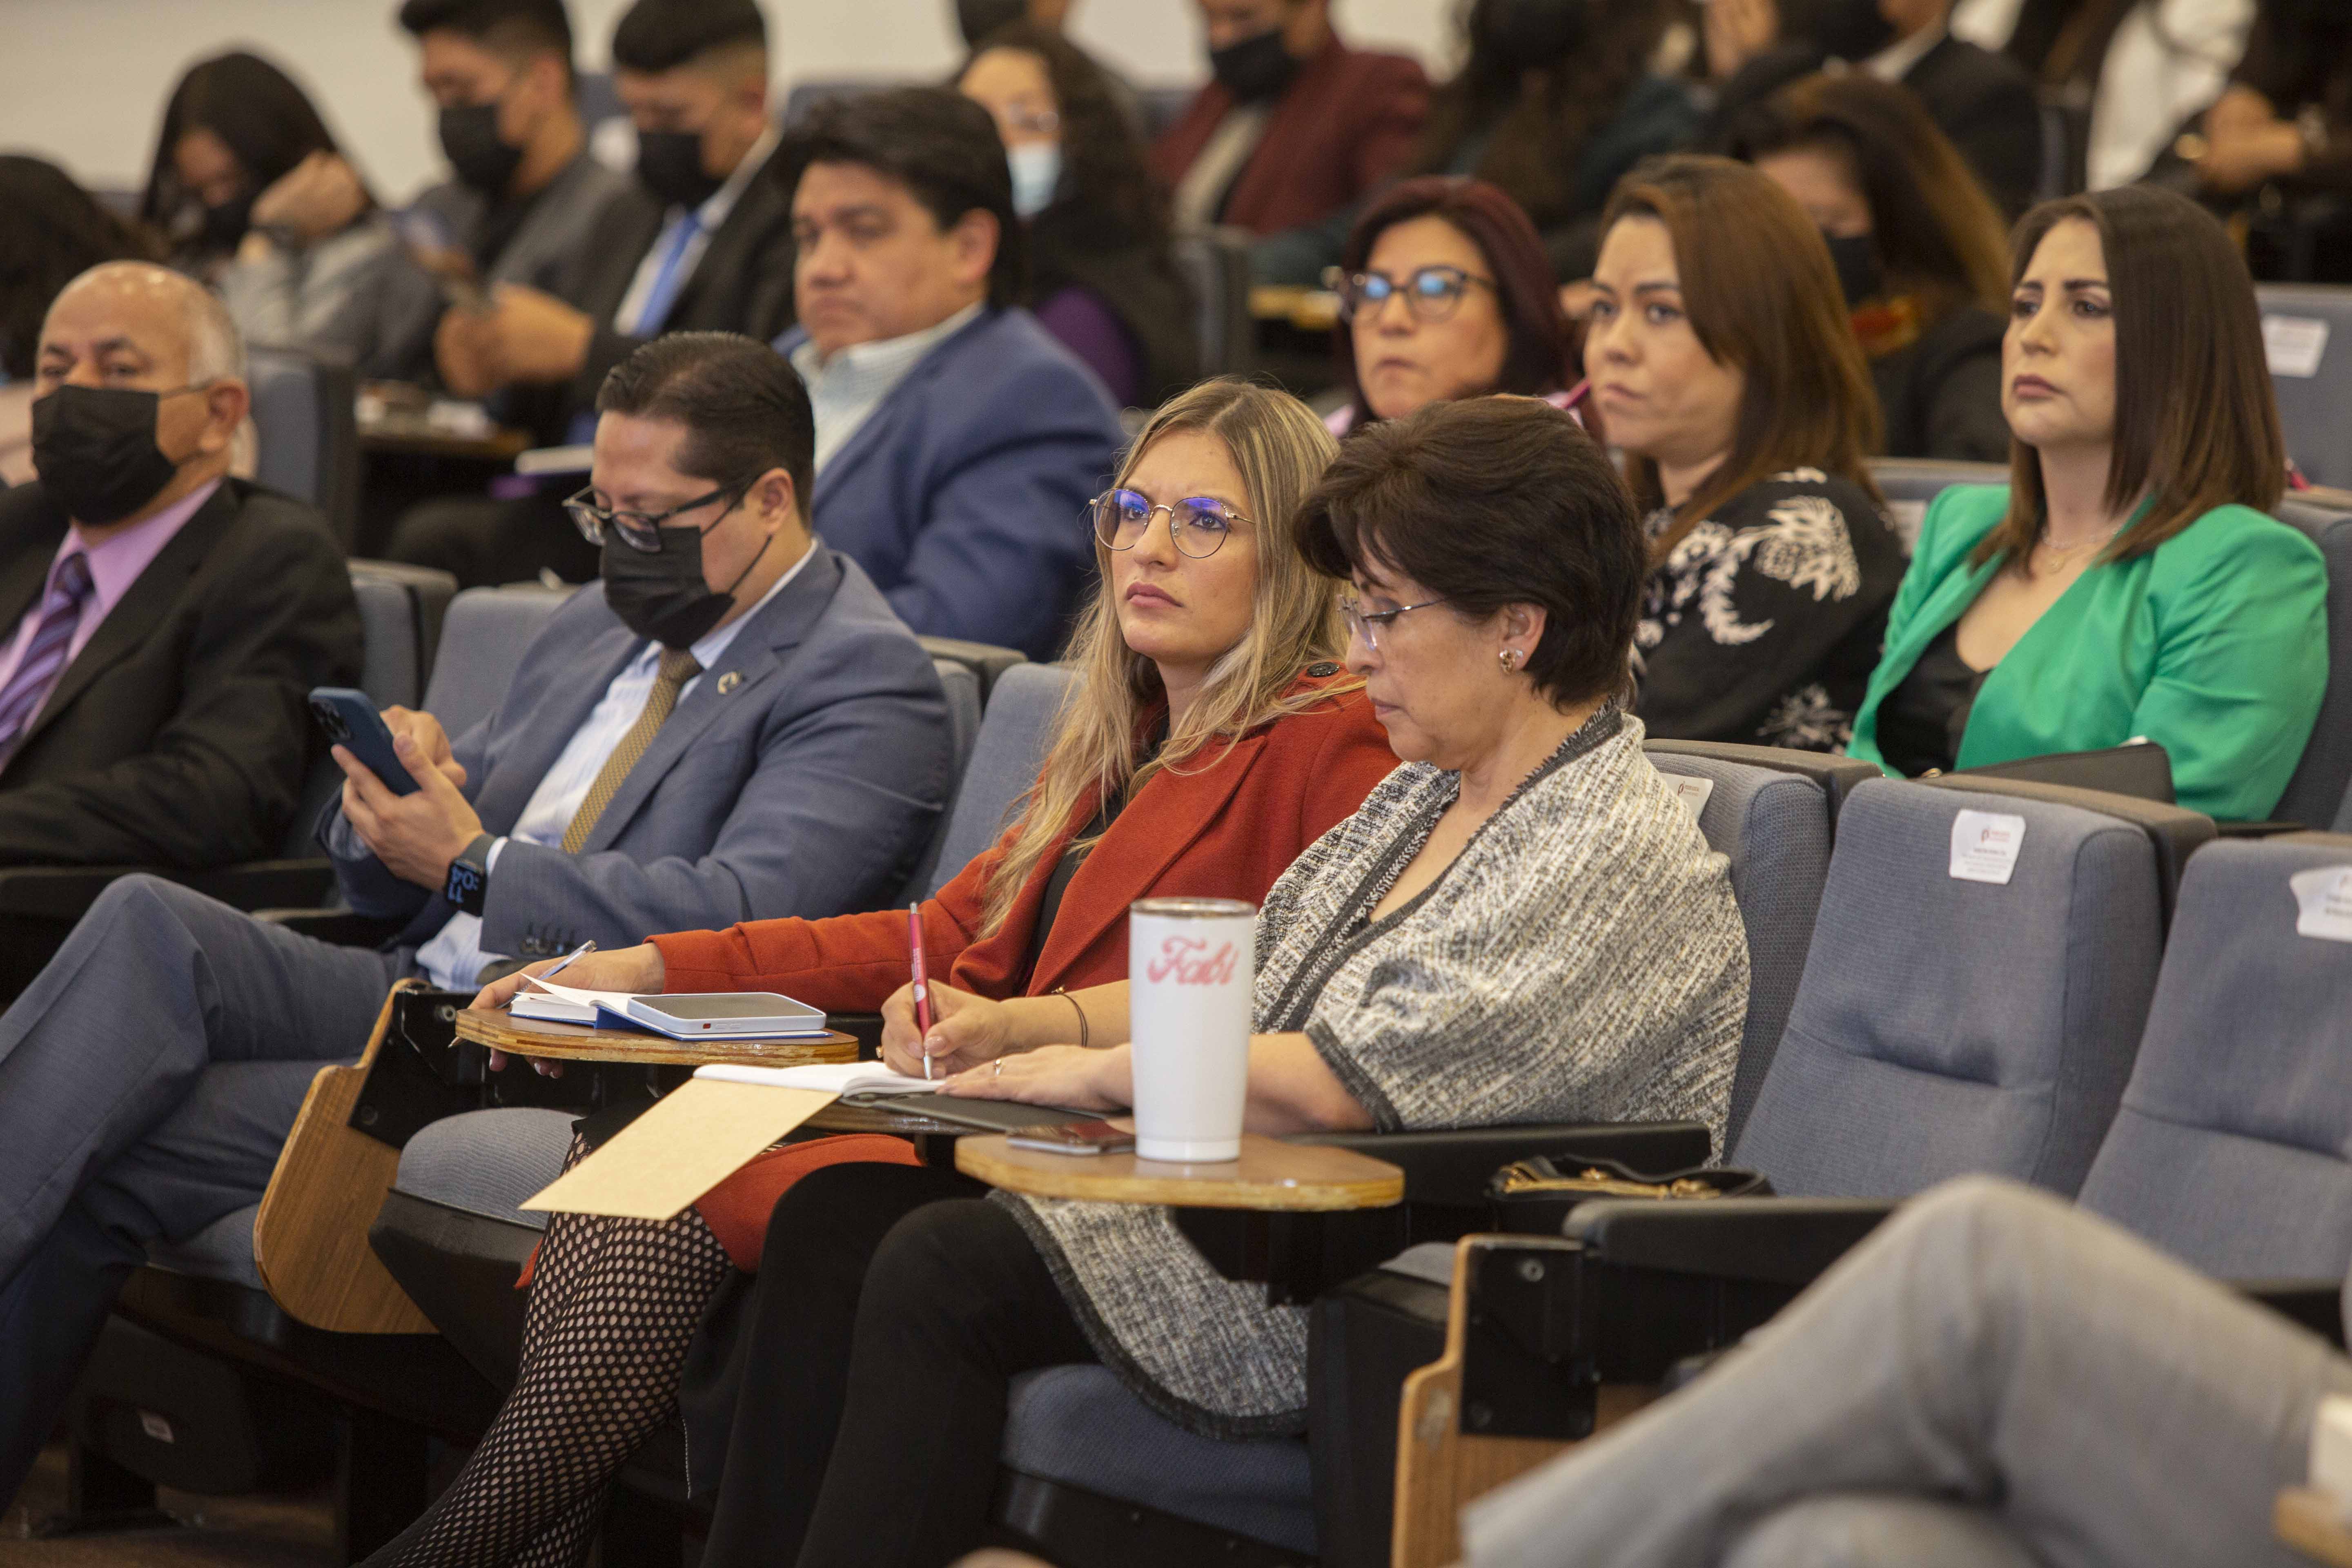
(800, 777)
(963, 492)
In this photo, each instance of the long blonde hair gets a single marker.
(1280, 449)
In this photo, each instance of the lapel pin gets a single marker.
(728, 682)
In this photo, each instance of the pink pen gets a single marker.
(922, 984)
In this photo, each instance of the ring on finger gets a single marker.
(999, 1069)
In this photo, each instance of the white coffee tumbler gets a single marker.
(1190, 963)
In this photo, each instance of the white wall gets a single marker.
(83, 82)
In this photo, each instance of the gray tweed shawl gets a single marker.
(1581, 961)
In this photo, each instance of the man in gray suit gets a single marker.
(735, 727)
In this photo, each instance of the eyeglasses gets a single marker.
(1430, 292)
(640, 530)
(1366, 624)
(1198, 524)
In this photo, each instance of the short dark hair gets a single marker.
(526, 26)
(939, 144)
(744, 409)
(1490, 501)
(1535, 361)
(2196, 419)
(656, 35)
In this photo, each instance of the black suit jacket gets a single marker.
(1985, 102)
(180, 735)
(742, 283)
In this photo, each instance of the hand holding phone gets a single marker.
(351, 722)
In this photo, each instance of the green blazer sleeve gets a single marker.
(2241, 663)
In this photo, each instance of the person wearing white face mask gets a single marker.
(1102, 275)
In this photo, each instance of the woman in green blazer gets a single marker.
(2126, 583)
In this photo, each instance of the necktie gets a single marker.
(44, 655)
(668, 279)
(678, 668)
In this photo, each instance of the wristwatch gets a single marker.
(470, 876)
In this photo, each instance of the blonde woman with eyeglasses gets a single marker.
(1210, 735)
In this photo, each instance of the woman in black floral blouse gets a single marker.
(1725, 368)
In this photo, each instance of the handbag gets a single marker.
(2141, 769)
(1534, 1197)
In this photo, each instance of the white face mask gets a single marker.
(1036, 174)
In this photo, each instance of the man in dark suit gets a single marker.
(957, 443)
(699, 241)
(735, 727)
(1294, 124)
(1985, 102)
(161, 623)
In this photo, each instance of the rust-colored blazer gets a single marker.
(1221, 829)
(1347, 123)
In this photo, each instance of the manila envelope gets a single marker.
(693, 1139)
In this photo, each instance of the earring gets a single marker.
(1512, 659)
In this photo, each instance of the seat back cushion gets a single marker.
(1946, 1025)
(2233, 1145)
(1079, 1426)
(962, 683)
(2314, 390)
(482, 642)
(1774, 827)
(1005, 757)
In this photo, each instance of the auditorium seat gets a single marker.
(1215, 263)
(1773, 813)
(306, 429)
(2232, 1148)
(2308, 330)
(2322, 776)
(806, 94)
(1910, 483)
(482, 642)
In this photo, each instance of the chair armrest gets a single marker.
(65, 892)
(1771, 1241)
(2256, 830)
(2314, 1304)
(342, 928)
(1451, 1166)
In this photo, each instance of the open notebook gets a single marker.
(826, 1077)
(552, 1003)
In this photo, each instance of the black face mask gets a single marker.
(1536, 33)
(94, 447)
(978, 19)
(663, 596)
(669, 164)
(1256, 69)
(1855, 256)
(225, 226)
(470, 140)
(1849, 29)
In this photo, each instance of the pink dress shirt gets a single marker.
(114, 565)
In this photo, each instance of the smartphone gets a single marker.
(351, 722)
(1095, 1137)
(690, 1015)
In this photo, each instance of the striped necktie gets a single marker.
(44, 655)
(678, 668)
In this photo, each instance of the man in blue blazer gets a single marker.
(735, 727)
(957, 443)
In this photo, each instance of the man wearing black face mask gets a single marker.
(1985, 102)
(1294, 124)
(695, 242)
(160, 621)
(734, 727)
(524, 204)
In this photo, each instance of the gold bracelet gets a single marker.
(1073, 1001)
